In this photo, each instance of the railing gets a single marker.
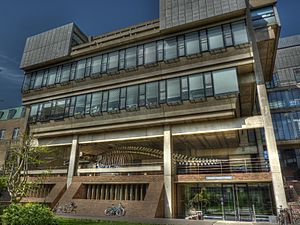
(247, 165)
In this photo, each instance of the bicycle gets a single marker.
(283, 217)
(115, 210)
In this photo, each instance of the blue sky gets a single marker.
(22, 18)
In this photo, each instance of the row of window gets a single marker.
(11, 114)
(286, 125)
(284, 99)
(15, 134)
(284, 81)
(169, 49)
(172, 91)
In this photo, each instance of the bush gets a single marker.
(33, 214)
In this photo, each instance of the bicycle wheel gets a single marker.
(120, 212)
(107, 212)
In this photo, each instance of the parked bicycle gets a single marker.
(284, 216)
(115, 210)
(67, 208)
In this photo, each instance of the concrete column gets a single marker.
(126, 192)
(168, 174)
(102, 195)
(278, 185)
(73, 160)
(121, 191)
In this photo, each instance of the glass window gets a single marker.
(51, 76)
(227, 35)
(196, 86)
(104, 101)
(65, 76)
(140, 55)
(15, 133)
(33, 113)
(80, 105)
(88, 104)
(122, 59)
(73, 70)
(203, 40)
(208, 84)
(239, 31)
(184, 88)
(88, 67)
(142, 95)
(2, 134)
(263, 16)
(170, 48)
(162, 91)
(173, 90)
(104, 63)
(96, 103)
(192, 44)
(67, 107)
(72, 106)
(113, 100)
(113, 61)
(80, 70)
(59, 109)
(58, 74)
(96, 65)
(132, 97)
(225, 81)
(152, 94)
(215, 38)
(297, 75)
(26, 82)
(130, 57)
(45, 76)
(32, 80)
(46, 111)
(181, 46)
(160, 50)
(150, 53)
(38, 80)
(123, 98)
(11, 114)
(1, 114)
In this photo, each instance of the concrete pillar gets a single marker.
(73, 160)
(107, 192)
(102, 195)
(126, 192)
(278, 185)
(121, 191)
(168, 174)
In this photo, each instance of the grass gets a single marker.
(64, 221)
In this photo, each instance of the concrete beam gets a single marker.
(121, 170)
(73, 160)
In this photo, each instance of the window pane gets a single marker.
(88, 104)
(114, 100)
(162, 91)
(32, 80)
(170, 49)
(203, 40)
(160, 50)
(33, 111)
(59, 109)
(140, 55)
(38, 79)
(142, 95)
(184, 88)
(225, 81)
(132, 97)
(130, 57)
(215, 37)
(113, 61)
(72, 106)
(26, 82)
(173, 90)
(96, 103)
(96, 64)
(65, 76)
(51, 76)
(80, 70)
(208, 85)
(239, 33)
(150, 52)
(104, 63)
(192, 43)
(104, 101)
(46, 111)
(45, 77)
(15, 134)
(122, 59)
(227, 35)
(80, 105)
(88, 67)
(73, 70)
(152, 94)
(181, 46)
(58, 74)
(123, 98)
(196, 86)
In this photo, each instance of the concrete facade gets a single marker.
(164, 112)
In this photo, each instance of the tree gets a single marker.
(20, 155)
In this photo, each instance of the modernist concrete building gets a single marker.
(284, 99)
(162, 116)
(12, 124)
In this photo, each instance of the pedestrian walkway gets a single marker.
(165, 221)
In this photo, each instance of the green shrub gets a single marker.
(28, 214)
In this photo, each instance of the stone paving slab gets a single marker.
(164, 221)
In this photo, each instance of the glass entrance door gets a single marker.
(236, 202)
